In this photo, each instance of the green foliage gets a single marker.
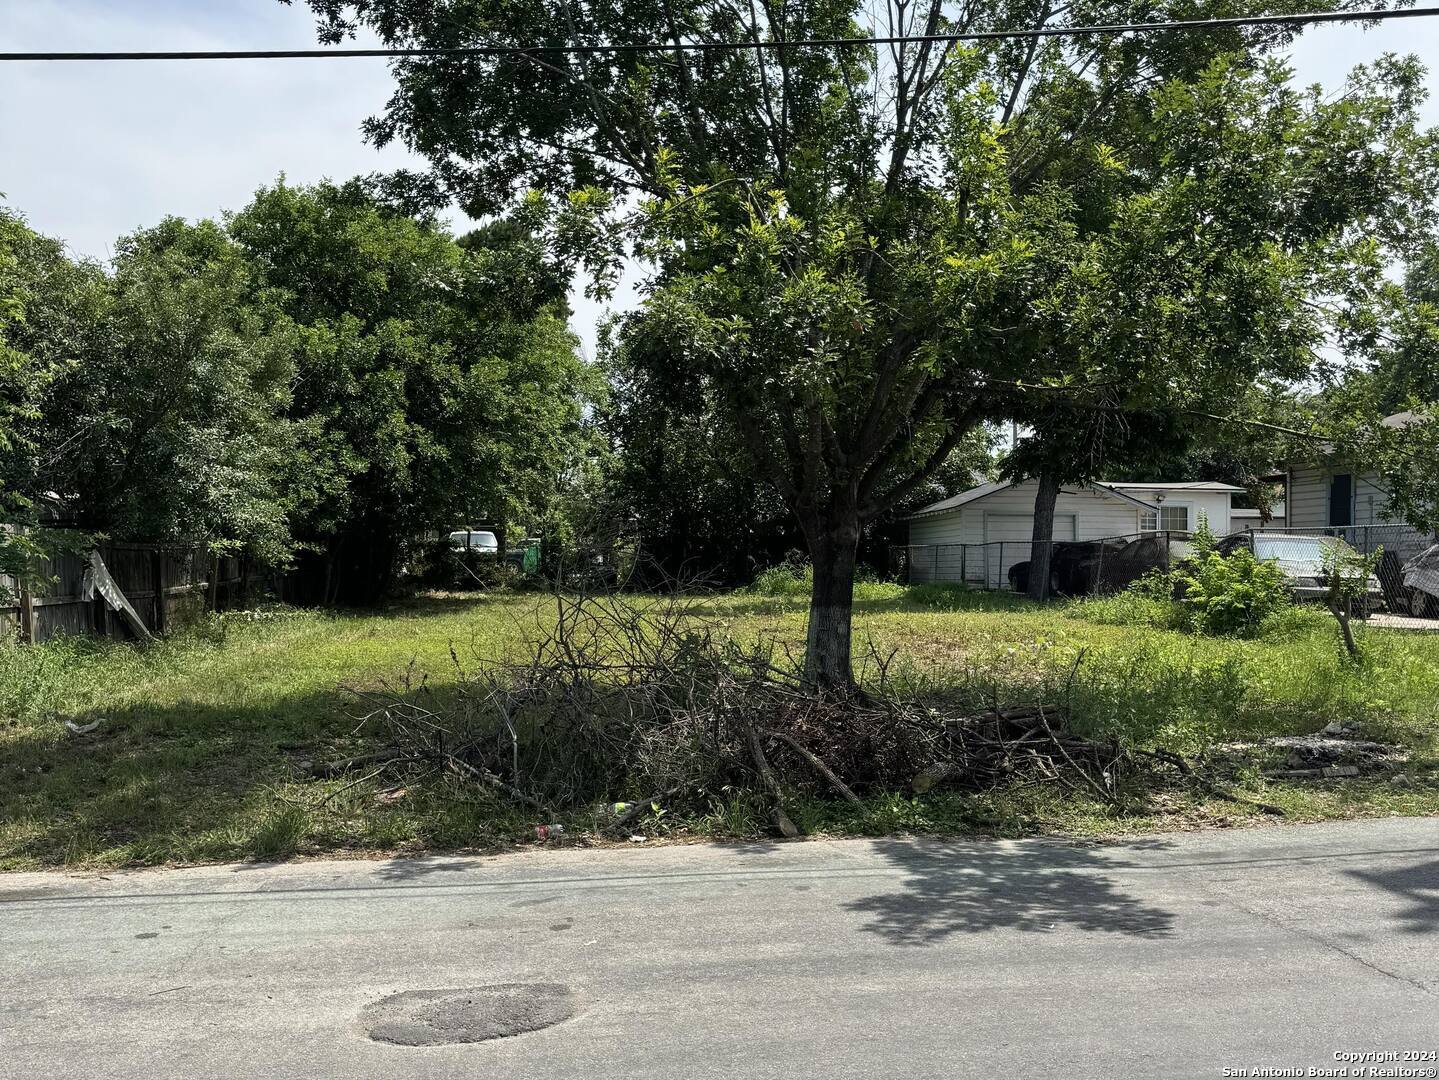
(795, 577)
(1347, 574)
(856, 257)
(1208, 593)
(436, 383)
(170, 427)
(45, 308)
(1230, 595)
(318, 372)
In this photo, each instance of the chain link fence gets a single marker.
(1077, 567)
(1090, 567)
(1398, 544)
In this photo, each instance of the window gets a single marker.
(1341, 500)
(1171, 519)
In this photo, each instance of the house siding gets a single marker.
(1308, 498)
(1214, 505)
(1096, 515)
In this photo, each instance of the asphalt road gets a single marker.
(1173, 956)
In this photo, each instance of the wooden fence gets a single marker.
(167, 585)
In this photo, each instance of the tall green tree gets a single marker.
(860, 252)
(436, 382)
(1378, 411)
(36, 282)
(168, 425)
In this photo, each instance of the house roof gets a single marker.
(1187, 485)
(964, 498)
(1400, 419)
(954, 502)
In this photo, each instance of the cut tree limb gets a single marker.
(767, 777)
(818, 766)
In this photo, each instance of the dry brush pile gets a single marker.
(634, 698)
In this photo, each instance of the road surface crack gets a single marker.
(1334, 946)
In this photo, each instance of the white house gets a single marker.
(998, 519)
(1322, 496)
(1242, 519)
(1182, 505)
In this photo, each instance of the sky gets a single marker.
(89, 152)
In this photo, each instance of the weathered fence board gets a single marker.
(169, 586)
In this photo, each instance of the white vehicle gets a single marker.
(475, 542)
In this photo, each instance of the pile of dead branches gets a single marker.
(633, 698)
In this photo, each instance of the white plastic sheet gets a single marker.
(98, 579)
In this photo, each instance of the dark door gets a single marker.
(1341, 500)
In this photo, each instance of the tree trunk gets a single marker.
(1042, 548)
(833, 549)
(1340, 610)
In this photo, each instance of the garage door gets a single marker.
(1007, 539)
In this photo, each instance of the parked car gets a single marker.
(525, 556)
(1300, 557)
(1081, 567)
(1070, 567)
(476, 542)
(1420, 581)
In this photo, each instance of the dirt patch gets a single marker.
(476, 1014)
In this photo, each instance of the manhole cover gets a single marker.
(439, 1017)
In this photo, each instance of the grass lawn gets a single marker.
(195, 759)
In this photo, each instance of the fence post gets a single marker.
(934, 562)
(963, 570)
(27, 615)
(157, 572)
(212, 599)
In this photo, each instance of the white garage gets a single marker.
(977, 535)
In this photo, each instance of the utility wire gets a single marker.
(1302, 19)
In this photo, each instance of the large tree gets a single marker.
(862, 251)
(46, 305)
(168, 425)
(436, 383)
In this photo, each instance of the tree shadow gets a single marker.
(972, 888)
(421, 867)
(1417, 884)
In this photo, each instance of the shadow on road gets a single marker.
(421, 867)
(973, 888)
(1418, 884)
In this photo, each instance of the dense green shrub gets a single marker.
(1228, 595)
(1209, 593)
(795, 577)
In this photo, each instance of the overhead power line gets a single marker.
(1301, 19)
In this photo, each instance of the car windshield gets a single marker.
(1295, 551)
(482, 541)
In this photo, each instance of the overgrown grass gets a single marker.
(196, 755)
